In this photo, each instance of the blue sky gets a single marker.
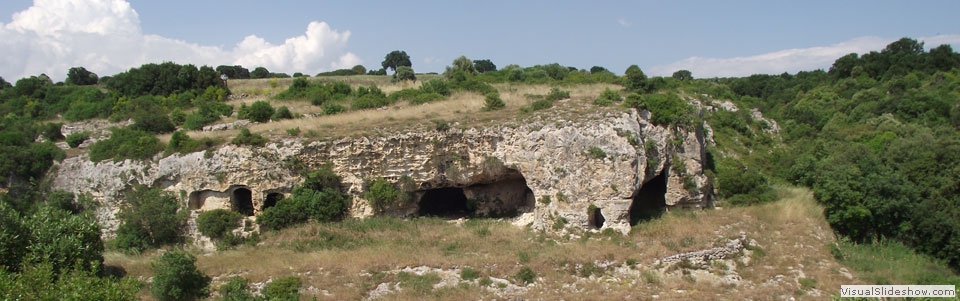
(710, 38)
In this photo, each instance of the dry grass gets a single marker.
(351, 258)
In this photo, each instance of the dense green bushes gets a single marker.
(218, 222)
(317, 198)
(175, 277)
(180, 142)
(126, 143)
(665, 109)
(151, 219)
(382, 194)
(247, 138)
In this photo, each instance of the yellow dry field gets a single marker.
(346, 260)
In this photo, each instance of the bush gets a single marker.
(282, 113)
(150, 219)
(294, 131)
(218, 222)
(284, 289)
(151, 121)
(468, 274)
(317, 198)
(332, 108)
(492, 102)
(247, 138)
(63, 239)
(382, 194)
(438, 86)
(426, 97)
(259, 111)
(526, 276)
(178, 117)
(126, 144)
(51, 131)
(607, 97)
(236, 290)
(369, 98)
(74, 140)
(180, 142)
(665, 109)
(557, 94)
(175, 277)
(542, 104)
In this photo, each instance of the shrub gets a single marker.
(180, 142)
(438, 86)
(126, 144)
(557, 94)
(492, 102)
(596, 153)
(74, 140)
(294, 131)
(247, 138)
(51, 131)
(175, 277)
(151, 121)
(149, 220)
(469, 274)
(526, 276)
(332, 108)
(404, 73)
(216, 223)
(419, 284)
(607, 97)
(369, 101)
(236, 290)
(62, 239)
(665, 109)
(317, 198)
(541, 105)
(382, 194)
(441, 125)
(282, 113)
(178, 117)
(426, 97)
(259, 111)
(284, 289)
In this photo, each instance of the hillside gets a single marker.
(543, 182)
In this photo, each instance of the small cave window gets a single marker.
(449, 202)
(650, 201)
(271, 200)
(596, 218)
(196, 201)
(242, 201)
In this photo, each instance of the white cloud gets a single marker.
(105, 37)
(790, 60)
(623, 22)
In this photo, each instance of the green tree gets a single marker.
(81, 77)
(234, 72)
(150, 219)
(683, 75)
(404, 73)
(634, 80)
(259, 111)
(396, 59)
(483, 66)
(260, 72)
(359, 69)
(63, 239)
(464, 64)
(175, 277)
(598, 69)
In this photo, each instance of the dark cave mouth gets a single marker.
(505, 198)
(447, 202)
(650, 201)
(241, 200)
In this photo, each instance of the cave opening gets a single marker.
(195, 201)
(241, 200)
(650, 201)
(447, 202)
(271, 200)
(596, 218)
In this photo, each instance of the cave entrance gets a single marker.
(241, 200)
(271, 200)
(196, 201)
(596, 218)
(448, 202)
(650, 201)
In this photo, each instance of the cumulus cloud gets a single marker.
(790, 60)
(623, 22)
(105, 37)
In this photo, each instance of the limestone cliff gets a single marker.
(594, 171)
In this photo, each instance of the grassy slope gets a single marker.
(349, 259)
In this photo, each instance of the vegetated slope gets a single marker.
(787, 254)
(876, 139)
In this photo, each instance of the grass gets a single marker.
(350, 258)
(890, 262)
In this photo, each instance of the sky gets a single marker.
(709, 38)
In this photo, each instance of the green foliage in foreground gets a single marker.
(126, 143)
(175, 277)
(890, 262)
(283, 289)
(150, 219)
(40, 282)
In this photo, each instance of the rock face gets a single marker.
(595, 172)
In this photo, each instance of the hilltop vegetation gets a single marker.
(875, 139)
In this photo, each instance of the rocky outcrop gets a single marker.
(584, 172)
